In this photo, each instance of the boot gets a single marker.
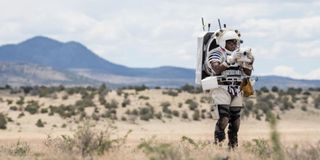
(233, 140)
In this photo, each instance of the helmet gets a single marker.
(228, 35)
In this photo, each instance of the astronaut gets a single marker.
(228, 64)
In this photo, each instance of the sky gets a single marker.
(284, 35)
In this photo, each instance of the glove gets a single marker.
(231, 59)
(245, 59)
(244, 56)
(247, 65)
(250, 56)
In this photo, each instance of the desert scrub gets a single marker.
(32, 107)
(3, 121)
(143, 97)
(170, 92)
(40, 123)
(159, 151)
(146, 113)
(20, 149)
(88, 141)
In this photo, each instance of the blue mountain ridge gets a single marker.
(48, 52)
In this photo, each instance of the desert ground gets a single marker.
(296, 126)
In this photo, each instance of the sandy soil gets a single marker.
(295, 126)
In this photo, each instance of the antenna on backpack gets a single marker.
(219, 23)
(203, 26)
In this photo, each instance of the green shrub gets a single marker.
(185, 115)
(14, 108)
(175, 113)
(39, 123)
(304, 108)
(274, 89)
(146, 113)
(165, 104)
(44, 110)
(317, 102)
(259, 147)
(3, 121)
(112, 104)
(32, 109)
(158, 115)
(102, 100)
(170, 92)
(21, 115)
(143, 97)
(125, 102)
(160, 151)
(88, 141)
(20, 102)
(123, 118)
(196, 115)
(264, 89)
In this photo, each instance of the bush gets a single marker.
(191, 89)
(146, 113)
(20, 149)
(39, 123)
(44, 110)
(85, 102)
(264, 89)
(274, 89)
(185, 115)
(21, 115)
(294, 91)
(125, 102)
(32, 108)
(144, 97)
(175, 113)
(165, 104)
(317, 102)
(102, 100)
(123, 118)
(170, 92)
(87, 141)
(160, 151)
(196, 115)
(20, 102)
(3, 121)
(158, 115)
(14, 108)
(192, 104)
(113, 104)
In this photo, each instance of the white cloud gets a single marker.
(288, 71)
(309, 49)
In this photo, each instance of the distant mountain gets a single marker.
(76, 58)
(73, 55)
(285, 82)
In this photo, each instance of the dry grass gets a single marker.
(295, 136)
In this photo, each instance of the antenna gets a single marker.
(209, 27)
(203, 26)
(219, 23)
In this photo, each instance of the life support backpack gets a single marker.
(206, 42)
